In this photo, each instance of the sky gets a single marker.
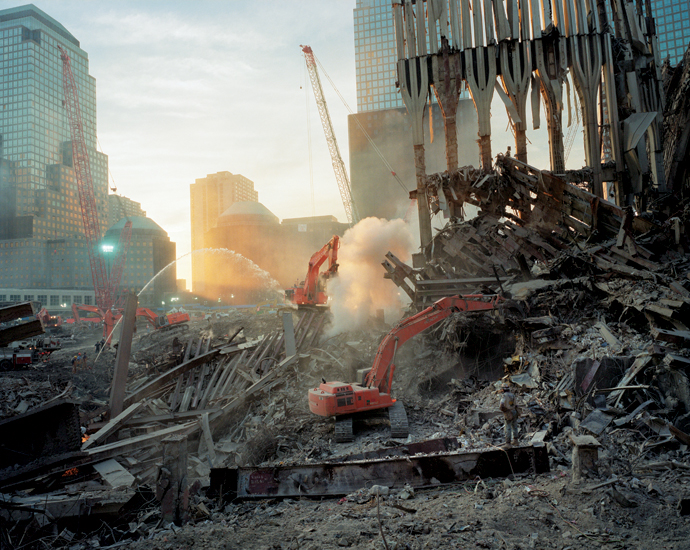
(194, 87)
(190, 88)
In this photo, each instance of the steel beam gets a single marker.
(332, 480)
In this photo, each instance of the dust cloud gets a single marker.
(360, 289)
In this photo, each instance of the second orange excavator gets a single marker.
(344, 400)
(110, 317)
(311, 291)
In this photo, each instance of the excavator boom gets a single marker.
(341, 399)
(309, 293)
(381, 373)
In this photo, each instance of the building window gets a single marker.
(28, 297)
(54, 300)
(76, 300)
(67, 300)
(43, 299)
(87, 300)
(15, 298)
(3, 297)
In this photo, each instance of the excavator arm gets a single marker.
(381, 373)
(308, 294)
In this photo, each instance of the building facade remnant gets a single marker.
(556, 47)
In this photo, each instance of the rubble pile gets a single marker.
(213, 442)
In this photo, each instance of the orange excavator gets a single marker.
(110, 317)
(310, 292)
(373, 393)
(48, 320)
(160, 322)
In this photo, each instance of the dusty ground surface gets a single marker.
(631, 502)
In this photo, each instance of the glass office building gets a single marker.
(375, 56)
(672, 19)
(42, 243)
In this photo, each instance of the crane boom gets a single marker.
(336, 159)
(82, 175)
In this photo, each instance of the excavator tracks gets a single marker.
(398, 419)
(343, 430)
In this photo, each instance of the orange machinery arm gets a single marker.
(328, 252)
(381, 373)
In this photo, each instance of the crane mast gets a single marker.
(336, 159)
(82, 175)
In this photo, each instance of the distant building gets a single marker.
(280, 250)
(42, 242)
(382, 114)
(209, 198)
(120, 207)
(672, 18)
(150, 251)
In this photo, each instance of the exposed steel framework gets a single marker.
(82, 174)
(336, 159)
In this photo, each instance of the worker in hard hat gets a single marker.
(510, 412)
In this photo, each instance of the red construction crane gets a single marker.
(82, 174)
(336, 159)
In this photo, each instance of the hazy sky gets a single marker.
(190, 88)
(194, 87)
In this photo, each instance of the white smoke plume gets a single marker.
(360, 289)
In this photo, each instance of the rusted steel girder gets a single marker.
(332, 480)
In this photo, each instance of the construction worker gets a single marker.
(511, 413)
(76, 363)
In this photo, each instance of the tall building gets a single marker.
(375, 56)
(42, 242)
(209, 198)
(150, 251)
(249, 231)
(672, 19)
(121, 207)
(382, 114)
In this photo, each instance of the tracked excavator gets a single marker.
(373, 392)
(311, 291)
(110, 317)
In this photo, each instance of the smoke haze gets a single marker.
(360, 289)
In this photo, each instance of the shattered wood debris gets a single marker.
(592, 338)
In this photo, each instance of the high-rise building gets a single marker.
(121, 207)
(150, 251)
(382, 114)
(42, 242)
(375, 56)
(672, 19)
(209, 198)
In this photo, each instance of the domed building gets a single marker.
(150, 250)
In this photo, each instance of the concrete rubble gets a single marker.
(593, 337)
(213, 444)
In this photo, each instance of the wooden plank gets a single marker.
(220, 368)
(221, 390)
(114, 474)
(113, 425)
(186, 398)
(122, 447)
(200, 385)
(640, 363)
(168, 376)
(124, 347)
(208, 438)
(169, 417)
